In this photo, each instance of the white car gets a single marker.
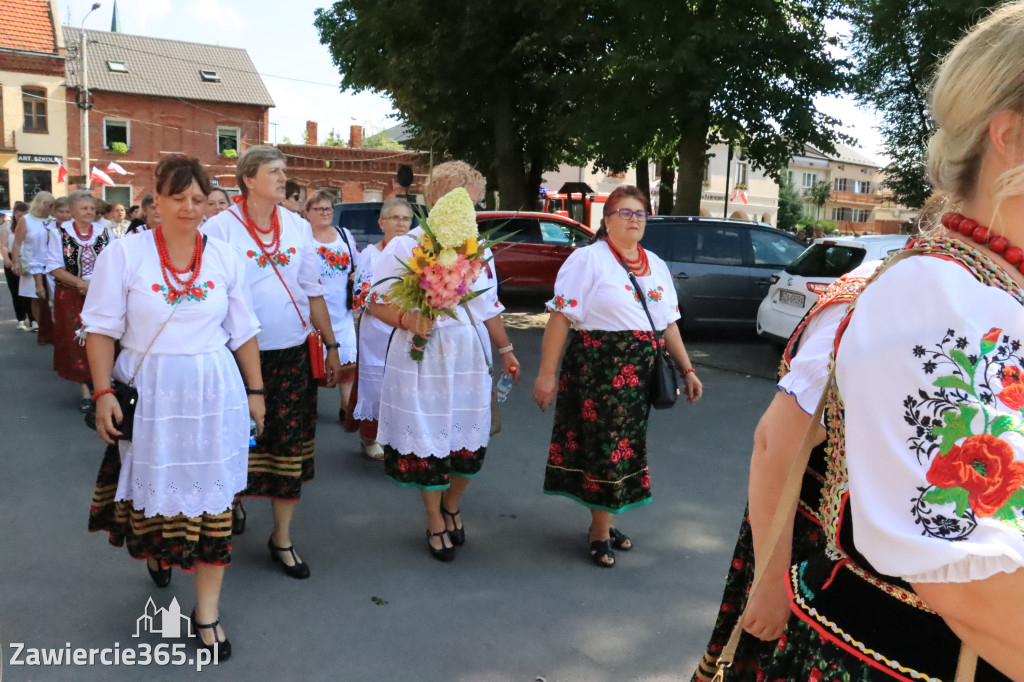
(793, 291)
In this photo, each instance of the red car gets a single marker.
(536, 246)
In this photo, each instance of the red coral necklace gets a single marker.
(172, 274)
(639, 266)
(968, 227)
(269, 249)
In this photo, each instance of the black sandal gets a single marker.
(220, 649)
(619, 540)
(298, 569)
(444, 553)
(457, 535)
(600, 550)
(161, 576)
(238, 517)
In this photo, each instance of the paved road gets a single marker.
(521, 601)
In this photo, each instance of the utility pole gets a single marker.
(85, 105)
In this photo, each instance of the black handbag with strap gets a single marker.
(663, 386)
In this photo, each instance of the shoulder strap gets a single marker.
(348, 245)
(276, 271)
(639, 294)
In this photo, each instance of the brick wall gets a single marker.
(353, 171)
(27, 62)
(160, 126)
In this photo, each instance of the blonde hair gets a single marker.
(40, 200)
(980, 77)
(452, 175)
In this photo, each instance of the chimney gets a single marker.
(355, 137)
(311, 132)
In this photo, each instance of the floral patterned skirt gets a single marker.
(598, 452)
(430, 472)
(751, 652)
(178, 540)
(282, 458)
(69, 357)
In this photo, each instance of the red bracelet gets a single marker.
(401, 324)
(99, 394)
(687, 371)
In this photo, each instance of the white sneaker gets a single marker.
(22, 326)
(373, 450)
(34, 327)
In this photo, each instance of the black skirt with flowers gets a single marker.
(598, 452)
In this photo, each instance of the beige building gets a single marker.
(33, 111)
(734, 189)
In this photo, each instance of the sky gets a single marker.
(283, 44)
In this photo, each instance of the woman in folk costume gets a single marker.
(179, 305)
(283, 276)
(70, 259)
(31, 236)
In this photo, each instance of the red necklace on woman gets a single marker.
(268, 249)
(83, 237)
(172, 274)
(997, 243)
(639, 266)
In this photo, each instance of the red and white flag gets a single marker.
(62, 174)
(113, 167)
(100, 177)
(742, 196)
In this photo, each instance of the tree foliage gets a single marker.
(818, 193)
(896, 47)
(790, 206)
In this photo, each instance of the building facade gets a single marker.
(33, 124)
(150, 97)
(751, 194)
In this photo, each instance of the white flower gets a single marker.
(453, 219)
(448, 257)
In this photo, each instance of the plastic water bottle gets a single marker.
(252, 432)
(504, 387)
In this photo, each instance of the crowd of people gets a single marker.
(896, 552)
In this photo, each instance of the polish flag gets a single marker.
(116, 168)
(62, 174)
(100, 177)
(742, 196)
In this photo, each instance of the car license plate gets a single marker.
(791, 298)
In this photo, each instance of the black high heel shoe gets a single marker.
(223, 651)
(298, 570)
(445, 553)
(457, 535)
(161, 576)
(238, 517)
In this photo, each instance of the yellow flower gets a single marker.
(420, 259)
(426, 242)
(452, 220)
(471, 247)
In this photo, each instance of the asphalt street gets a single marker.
(521, 602)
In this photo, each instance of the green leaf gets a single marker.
(955, 495)
(953, 382)
(1016, 499)
(987, 347)
(960, 358)
(958, 426)
(1001, 425)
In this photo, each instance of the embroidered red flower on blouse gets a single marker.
(984, 466)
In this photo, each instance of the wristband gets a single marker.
(255, 391)
(505, 349)
(684, 372)
(332, 346)
(401, 323)
(102, 392)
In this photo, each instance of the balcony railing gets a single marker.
(855, 198)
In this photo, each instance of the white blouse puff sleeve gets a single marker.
(930, 372)
(573, 285)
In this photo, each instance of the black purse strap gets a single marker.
(348, 245)
(639, 293)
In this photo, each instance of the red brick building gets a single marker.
(151, 97)
(357, 174)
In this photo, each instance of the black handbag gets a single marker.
(663, 387)
(127, 397)
(350, 289)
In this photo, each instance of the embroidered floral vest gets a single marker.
(72, 250)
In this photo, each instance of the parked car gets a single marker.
(794, 290)
(361, 220)
(722, 267)
(536, 246)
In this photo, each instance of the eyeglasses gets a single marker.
(627, 214)
(403, 219)
(322, 210)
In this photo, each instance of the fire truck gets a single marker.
(577, 201)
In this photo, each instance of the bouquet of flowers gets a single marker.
(439, 275)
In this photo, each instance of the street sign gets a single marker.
(40, 158)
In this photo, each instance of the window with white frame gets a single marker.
(789, 178)
(863, 187)
(741, 173)
(810, 210)
(228, 138)
(809, 180)
(116, 130)
(861, 215)
(841, 184)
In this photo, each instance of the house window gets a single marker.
(228, 138)
(809, 180)
(209, 76)
(115, 130)
(34, 182)
(741, 173)
(119, 194)
(34, 102)
(789, 178)
(841, 184)
(863, 187)
(810, 210)
(117, 67)
(861, 215)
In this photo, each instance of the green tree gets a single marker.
(381, 140)
(475, 81)
(678, 76)
(790, 206)
(896, 47)
(819, 193)
(334, 140)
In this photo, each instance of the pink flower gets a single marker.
(615, 456)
